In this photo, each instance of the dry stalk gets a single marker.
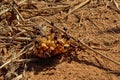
(78, 6)
(116, 4)
(21, 52)
(16, 38)
(6, 10)
(21, 2)
(79, 41)
(46, 8)
(18, 77)
(103, 49)
(18, 13)
(27, 60)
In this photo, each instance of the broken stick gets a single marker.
(79, 41)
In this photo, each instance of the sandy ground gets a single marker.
(95, 24)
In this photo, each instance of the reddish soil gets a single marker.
(95, 24)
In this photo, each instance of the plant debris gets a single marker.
(36, 35)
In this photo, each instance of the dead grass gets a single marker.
(23, 24)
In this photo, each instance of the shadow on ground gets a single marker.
(113, 31)
(51, 63)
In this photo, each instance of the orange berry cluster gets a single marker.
(52, 45)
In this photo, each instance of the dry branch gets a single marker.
(27, 60)
(79, 41)
(16, 38)
(78, 6)
(21, 52)
(6, 10)
(116, 4)
(18, 13)
(18, 77)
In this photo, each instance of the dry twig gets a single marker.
(18, 13)
(116, 4)
(6, 10)
(79, 41)
(16, 38)
(21, 52)
(78, 6)
(18, 77)
(27, 60)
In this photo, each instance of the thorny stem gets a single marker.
(79, 41)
